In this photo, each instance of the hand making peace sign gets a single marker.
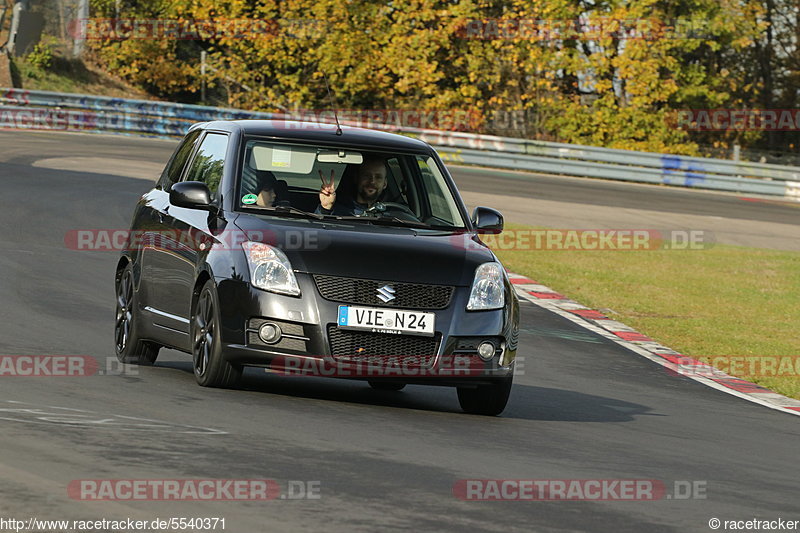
(327, 193)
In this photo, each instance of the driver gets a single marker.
(370, 183)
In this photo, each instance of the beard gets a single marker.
(369, 198)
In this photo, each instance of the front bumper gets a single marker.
(309, 323)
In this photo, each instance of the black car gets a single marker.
(303, 248)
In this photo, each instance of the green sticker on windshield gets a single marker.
(248, 199)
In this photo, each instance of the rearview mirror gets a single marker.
(340, 156)
(487, 220)
(190, 194)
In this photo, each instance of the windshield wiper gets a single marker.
(289, 210)
(393, 221)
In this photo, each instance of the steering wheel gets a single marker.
(401, 211)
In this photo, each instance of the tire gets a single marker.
(387, 385)
(128, 346)
(489, 400)
(210, 368)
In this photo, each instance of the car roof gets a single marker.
(317, 132)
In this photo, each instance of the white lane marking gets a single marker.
(767, 399)
(46, 414)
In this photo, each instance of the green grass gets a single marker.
(70, 75)
(40, 79)
(723, 301)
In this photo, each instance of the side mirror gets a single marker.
(190, 194)
(487, 220)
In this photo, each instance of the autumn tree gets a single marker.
(602, 72)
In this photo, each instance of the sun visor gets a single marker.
(290, 159)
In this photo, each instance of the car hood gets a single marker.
(361, 250)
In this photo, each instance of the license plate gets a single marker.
(386, 320)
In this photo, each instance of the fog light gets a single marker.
(269, 333)
(486, 350)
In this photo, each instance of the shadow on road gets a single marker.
(526, 403)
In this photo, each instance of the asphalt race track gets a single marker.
(583, 408)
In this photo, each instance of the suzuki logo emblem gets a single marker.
(386, 294)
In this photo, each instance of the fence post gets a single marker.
(80, 30)
(13, 32)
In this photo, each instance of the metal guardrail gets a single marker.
(75, 112)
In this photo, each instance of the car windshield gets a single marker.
(372, 187)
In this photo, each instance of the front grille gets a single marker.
(285, 343)
(386, 348)
(286, 327)
(365, 292)
(469, 345)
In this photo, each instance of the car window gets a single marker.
(172, 173)
(442, 206)
(276, 174)
(209, 161)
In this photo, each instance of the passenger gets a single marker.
(265, 185)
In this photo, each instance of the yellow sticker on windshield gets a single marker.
(281, 158)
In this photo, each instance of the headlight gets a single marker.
(487, 288)
(270, 269)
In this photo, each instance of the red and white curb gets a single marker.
(643, 345)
